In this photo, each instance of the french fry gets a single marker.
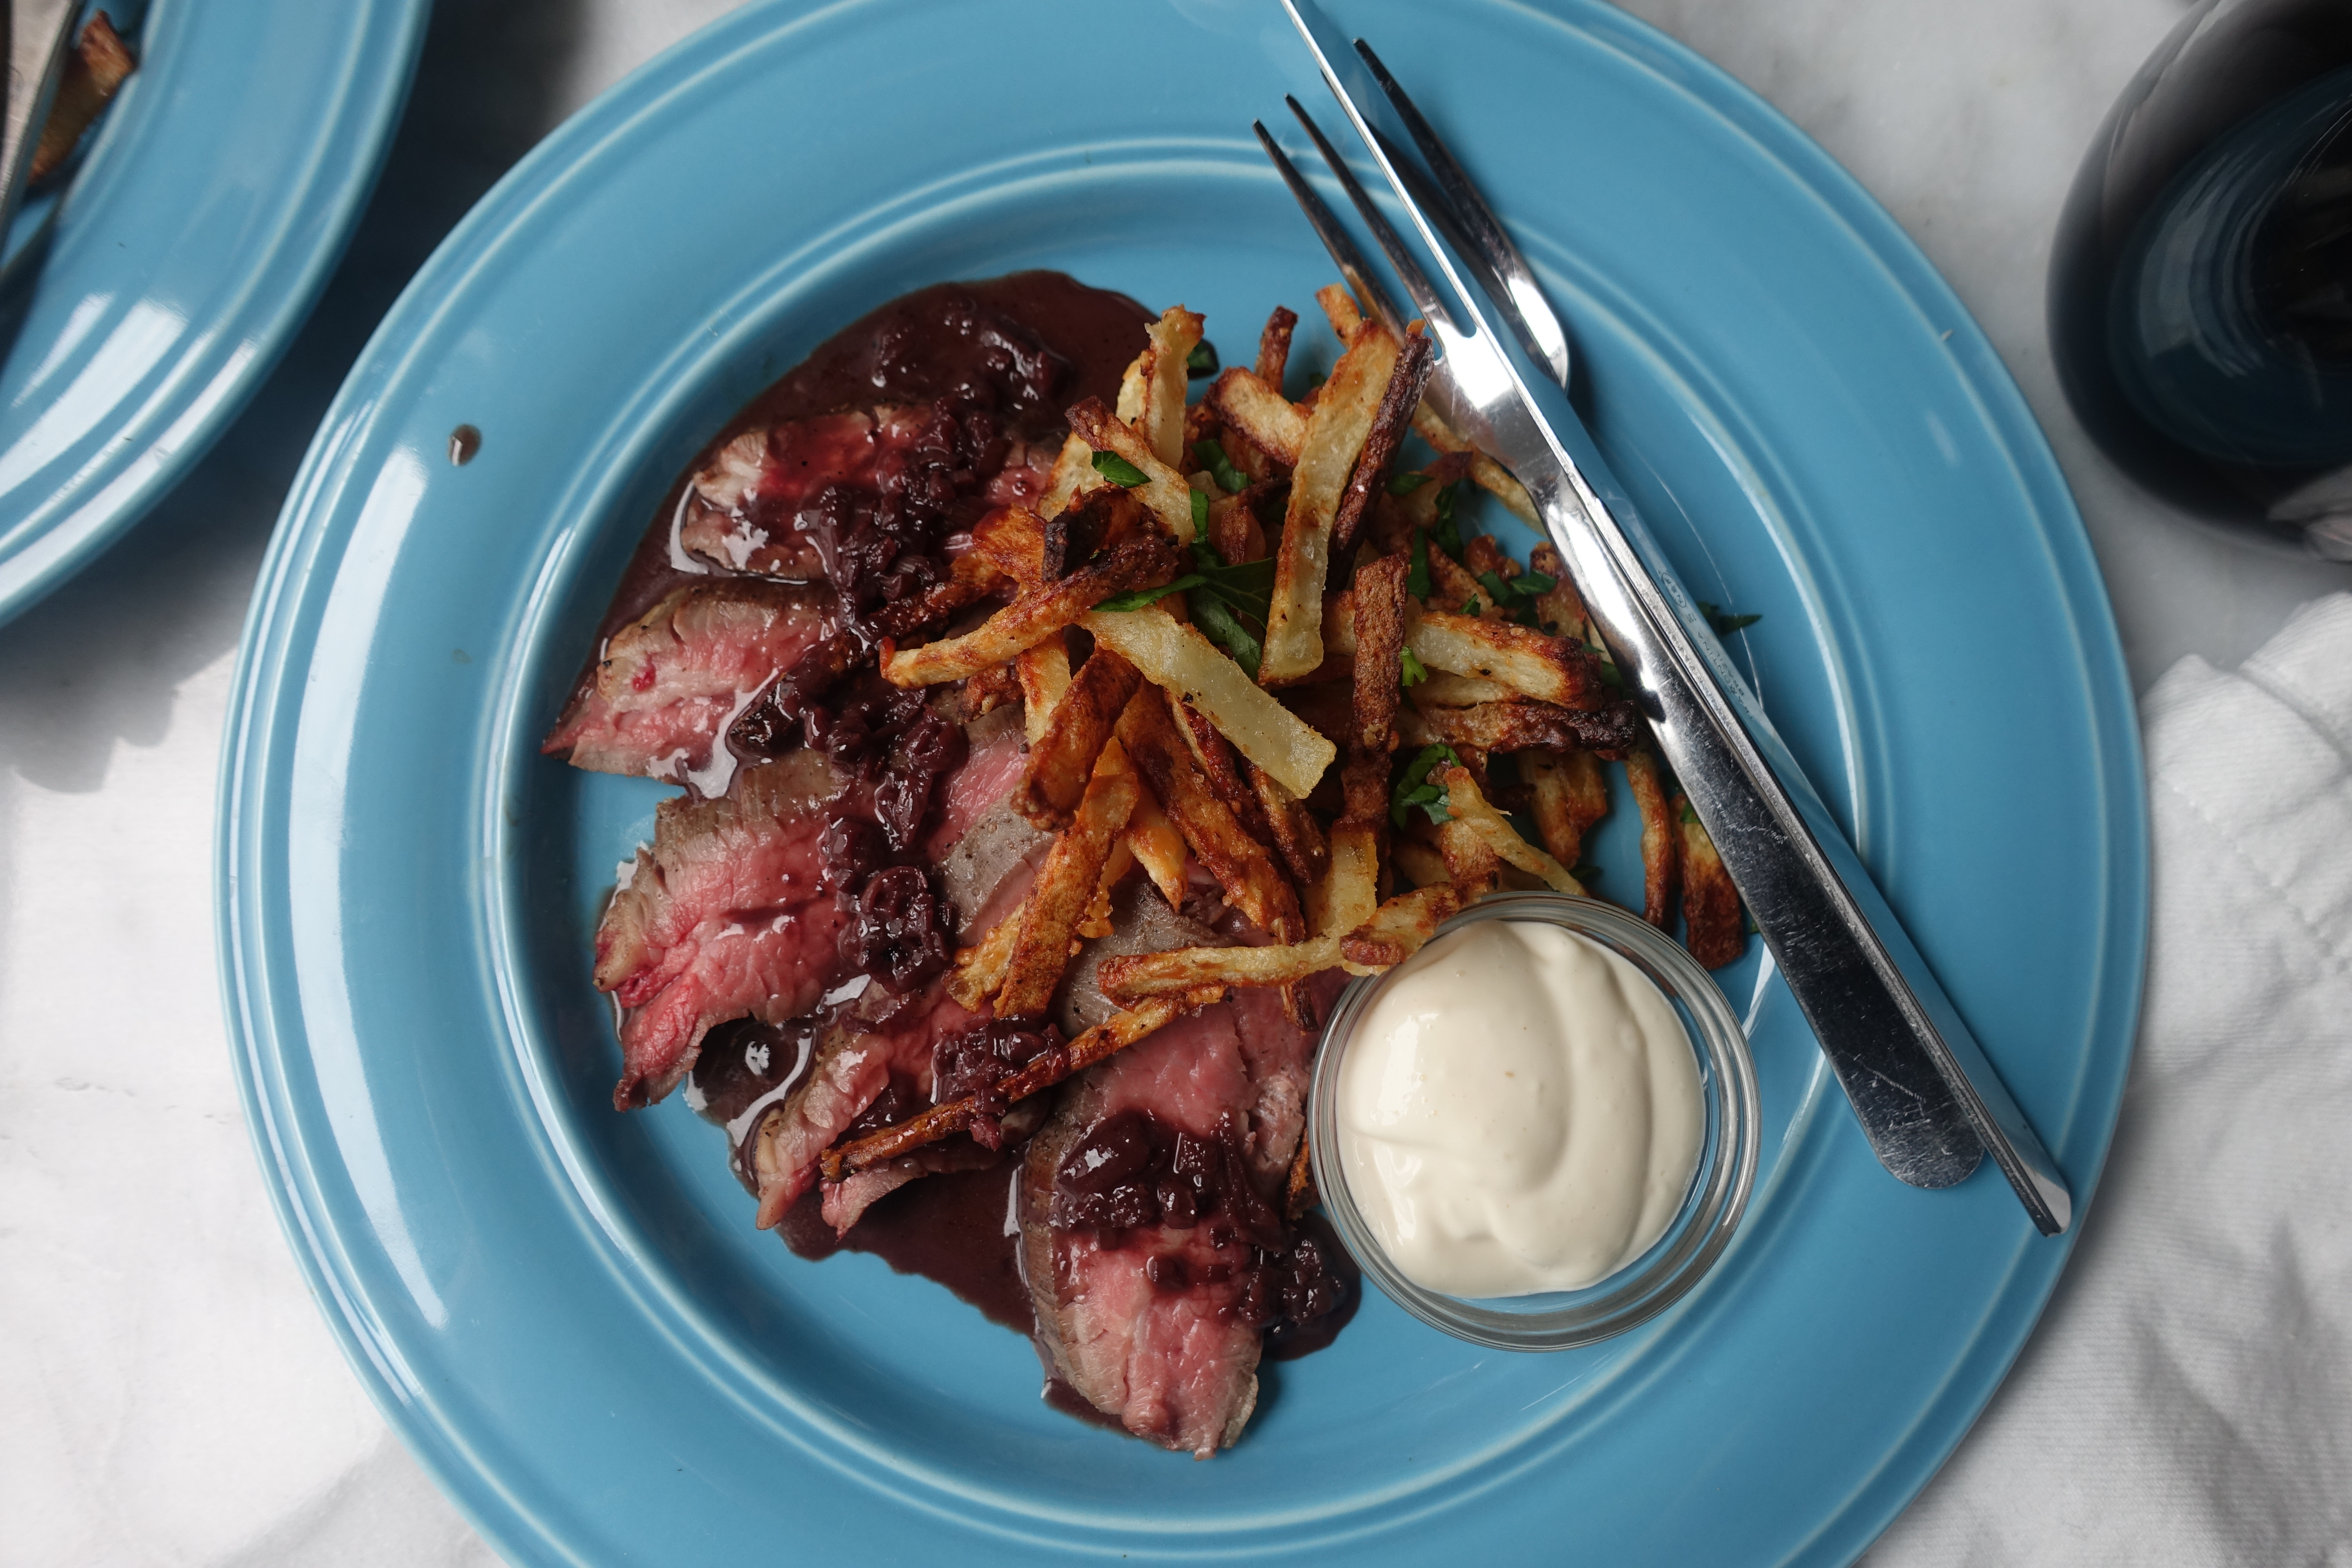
(1421, 866)
(979, 971)
(1256, 411)
(1377, 622)
(1296, 836)
(1065, 886)
(1177, 657)
(1138, 976)
(1273, 346)
(1560, 609)
(1012, 540)
(1349, 894)
(1174, 336)
(1713, 929)
(1518, 725)
(1390, 419)
(1452, 588)
(1233, 526)
(991, 689)
(1097, 922)
(1471, 808)
(1036, 615)
(1061, 763)
(1243, 866)
(1658, 836)
(1044, 672)
(1484, 471)
(1472, 865)
(1547, 668)
(1568, 797)
(1159, 847)
(1444, 688)
(1223, 770)
(1098, 1044)
(1073, 475)
(1335, 433)
(1339, 309)
(1402, 928)
(1163, 490)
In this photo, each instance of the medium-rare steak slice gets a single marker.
(725, 915)
(668, 685)
(1146, 1225)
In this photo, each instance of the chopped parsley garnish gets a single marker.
(1200, 512)
(1470, 605)
(1413, 790)
(1201, 361)
(1229, 603)
(1414, 671)
(1119, 471)
(1447, 532)
(1212, 457)
(1406, 484)
(1135, 598)
(1416, 577)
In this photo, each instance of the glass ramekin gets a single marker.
(1711, 1209)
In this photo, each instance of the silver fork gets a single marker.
(1926, 1097)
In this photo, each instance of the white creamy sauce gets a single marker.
(1519, 1111)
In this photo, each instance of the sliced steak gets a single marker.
(1146, 1223)
(754, 506)
(725, 915)
(668, 685)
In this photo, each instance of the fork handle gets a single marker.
(1926, 1097)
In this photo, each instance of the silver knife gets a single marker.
(1922, 1088)
(39, 32)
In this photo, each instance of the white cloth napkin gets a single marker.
(2188, 1396)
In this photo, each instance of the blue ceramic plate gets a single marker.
(567, 1312)
(208, 208)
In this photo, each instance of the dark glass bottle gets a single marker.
(2201, 286)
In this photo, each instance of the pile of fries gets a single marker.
(1245, 637)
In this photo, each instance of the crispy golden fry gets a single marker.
(1243, 866)
(1036, 615)
(1163, 490)
(1658, 836)
(1390, 419)
(1260, 415)
(1177, 657)
(1065, 886)
(1335, 436)
(1452, 588)
(1061, 764)
(1274, 345)
(979, 971)
(1012, 540)
(1364, 788)
(1560, 609)
(1484, 471)
(1713, 928)
(1044, 672)
(1234, 525)
(991, 689)
(1340, 308)
(1472, 865)
(1074, 475)
(1568, 796)
(1377, 622)
(1470, 808)
(1159, 847)
(1349, 894)
(1111, 1036)
(1404, 925)
(1444, 688)
(1421, 866)
(1519, 725)
(1174, 336)
(1480, 554)
(1547, 668)
(1097, 922)
(1297, 837)
(1135, 385)
(1223, 769)
(98, 64)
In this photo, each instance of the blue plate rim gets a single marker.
(252, 722)
(228, 363)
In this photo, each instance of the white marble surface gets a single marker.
(131, 1209)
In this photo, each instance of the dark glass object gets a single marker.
(2201, 286)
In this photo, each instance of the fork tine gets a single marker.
(1531, 316)
(1332, 233)
(1425, 298)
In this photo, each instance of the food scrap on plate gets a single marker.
(1054, 744)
